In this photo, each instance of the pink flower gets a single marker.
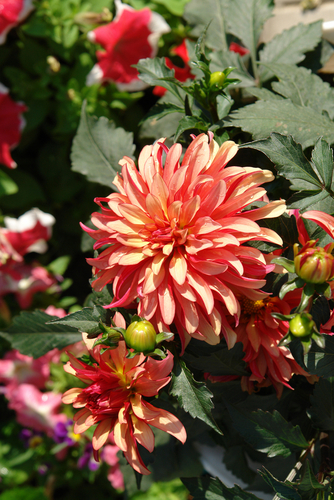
(182, 74)
(115, 399)
(12, 12)
(28, 233)
(16, 369)
(176, 235)
(131, 36)
(36, 409)
(24, 280)
(109, 455)
(11, 124)
(56, 311)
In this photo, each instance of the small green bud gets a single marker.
(141, 336)
(217, 79)
(302, 325)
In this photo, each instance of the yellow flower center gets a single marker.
(250, 307)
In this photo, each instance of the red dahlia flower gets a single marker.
(115, 399)
(131, 36)
(12, 12)
(11, 124)
(260, 334)
(176, 234)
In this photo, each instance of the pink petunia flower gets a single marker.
(16, 369)
(114, 399)
(28, 233)
(182, 74)
(109, 455)
(11, 125)
(36, 409)
(131, 36)
(12, 12)
(176, 233)
(24, 280)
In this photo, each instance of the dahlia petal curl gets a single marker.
(175, 236)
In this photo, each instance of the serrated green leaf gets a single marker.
(87, 320)
(221, 362)
(98, 147)
(188, 123)
(154, 70)
(283, 490)
(30, 334)
(322, 158)
(289, 160)
(267, 432)
(199, 14)
(248, 25)
(322, 410)
(194, 397)
(321, 200)
(321, 361)
(290, 46)
(264, 94)
(303, 123)
(209, 488)
(7, 185)
(176, 7)
(303, 88)
(224, 59)
(308, 486)
(162, 109)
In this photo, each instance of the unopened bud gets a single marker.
(141, 336)
(302, 325)
(217, 79)
(314, 264)
(53, 63)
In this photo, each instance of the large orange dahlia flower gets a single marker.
(114, 399)
(176, 235)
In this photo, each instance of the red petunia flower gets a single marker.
(239, 49)
(176, 233)
(181, 74)
(12, 12)
(131, 36)
(11, 124)
(114, 399)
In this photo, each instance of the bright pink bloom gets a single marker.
(24, 280)
(28, 233)
(12, 12)
(36, 409)
(11, 124)
(109, 455)
(16, 369)
(131, 36)
(176, 234)
(114, 399)
(182, 74)
(235, 47)
(56, 311)
(260, 334)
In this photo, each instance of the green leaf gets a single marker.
(309, 485)
(321, 361)
(248, 25)
(154, 70)
(98, 147)
(162, 109)
(322, 158)
(214, 12)
(290, 46)
(7, 185)
(87, 320)
(223, 361)
(303, 123)
(59, 266)
(267, 432)
(188, 123)
(194, 397)
(283, 490)
(30, 334)
(209, 488)
(322, 410)
(176, 7)
(224, 59)
(303, 87)
(24, 493)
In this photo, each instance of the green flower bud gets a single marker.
(302, 325)
(217, 79)
(314, 264)
(141, 336)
